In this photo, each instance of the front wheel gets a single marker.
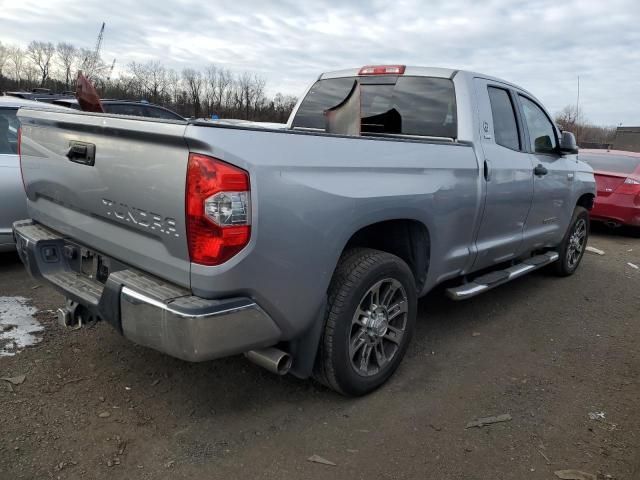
(370, 320)
(574, 243)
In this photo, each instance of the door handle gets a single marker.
(82, 153)
(540, 170)
(487, 170)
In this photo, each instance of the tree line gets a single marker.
(213, 90)
(587, 134)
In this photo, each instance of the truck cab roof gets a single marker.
(418, 71)
(409, 71)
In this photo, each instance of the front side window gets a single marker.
(8, 131)
(421, 106)
(541, 132)
(505, 127)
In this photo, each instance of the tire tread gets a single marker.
(352, 267)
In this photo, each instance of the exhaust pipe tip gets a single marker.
(612, 224)
(273, 359)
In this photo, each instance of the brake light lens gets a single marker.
(218, 210)
(630, 186)
(382, 70)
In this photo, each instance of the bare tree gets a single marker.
(259, 100)
(244, 95)
(568, 118)
(16, 62)
(193, 82)
(190, 92)
(173, 85)
(31, 74)
(282, 106)
(151, 78)
(92, 65)
(576, 122)
(4, 57)
(67, 57)
(41, 54)
(218, 83)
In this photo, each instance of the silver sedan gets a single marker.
(13, 204)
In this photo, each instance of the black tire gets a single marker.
(359, 271)
(568, 262)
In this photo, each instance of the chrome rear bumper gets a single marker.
(145, 309)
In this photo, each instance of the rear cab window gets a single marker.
(402, 105)
(505, 126)
(8, 131)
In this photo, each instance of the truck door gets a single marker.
(552, 205)
(508, 175)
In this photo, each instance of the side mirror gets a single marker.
(568, 143)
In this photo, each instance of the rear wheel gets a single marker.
(370, 320)
(574, 243)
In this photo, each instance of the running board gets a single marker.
(498, 277)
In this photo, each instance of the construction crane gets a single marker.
(91, 61)
(113, 64)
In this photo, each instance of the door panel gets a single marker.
(508, 176)
(551, 209)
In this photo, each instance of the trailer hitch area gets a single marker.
(74, 316)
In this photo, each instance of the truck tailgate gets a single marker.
(127, 200)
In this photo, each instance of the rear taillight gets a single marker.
(382, 70)
(24, 185)
(630, 186)
(217, 209)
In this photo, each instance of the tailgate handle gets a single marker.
(82, 153)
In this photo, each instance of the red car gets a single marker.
(618, 183)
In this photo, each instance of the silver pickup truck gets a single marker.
(305, 250)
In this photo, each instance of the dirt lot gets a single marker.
(547, 351)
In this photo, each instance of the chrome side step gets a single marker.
(498, 277)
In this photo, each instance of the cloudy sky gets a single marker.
(540, 45)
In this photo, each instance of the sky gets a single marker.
(543, 46)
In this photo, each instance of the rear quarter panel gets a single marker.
(311, 193)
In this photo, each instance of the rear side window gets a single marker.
(124, 109)
(541, 132)
(156, 112)
(8, 132)
(505, 127)
(421, 106)
(611, 163)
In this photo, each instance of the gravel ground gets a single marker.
(544, 350)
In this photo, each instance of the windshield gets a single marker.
(422, 106)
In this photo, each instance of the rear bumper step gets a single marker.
(145, 309)
(498, 277)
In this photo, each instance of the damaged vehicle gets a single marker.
(305, 247)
